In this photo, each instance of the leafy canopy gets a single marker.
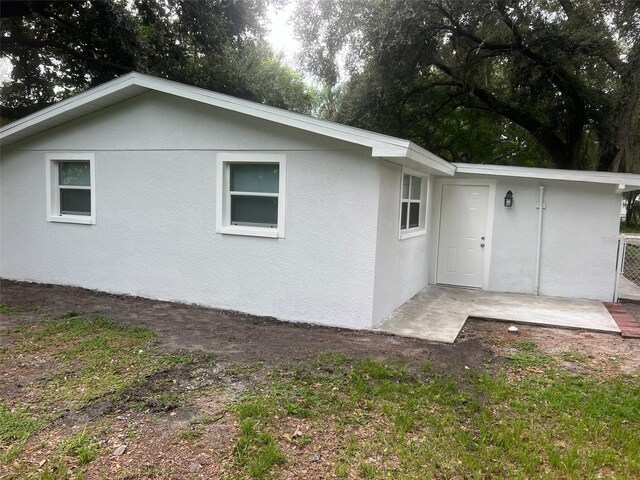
(533, 82)
(60, 48)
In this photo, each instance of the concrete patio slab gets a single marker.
(439, 313)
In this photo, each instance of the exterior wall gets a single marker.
(579, 238)
(155, 230)
(402, 266)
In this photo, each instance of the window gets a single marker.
(251, 194)
(70, 188)
(412, 205)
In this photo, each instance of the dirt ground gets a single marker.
(244, 338)
(237, 339)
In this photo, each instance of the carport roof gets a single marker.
(624, 182)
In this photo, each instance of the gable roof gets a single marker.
(394, 149)
(133, 84)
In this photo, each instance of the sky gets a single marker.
(281, 35)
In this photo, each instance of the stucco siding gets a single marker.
(579, 239)
(402, 266)
(155, 160)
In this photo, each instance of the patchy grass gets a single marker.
(7, 309)
(16, 426)
(575, 357)
(336, 416)
(90, 360)
(94, 358)
(525, 346)
(82, 447)
(388, 422)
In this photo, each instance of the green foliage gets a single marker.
(58, 49)
(517, 83)
(624, 228)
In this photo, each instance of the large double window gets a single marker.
(412, 204)
(250, 196)
(71, 188)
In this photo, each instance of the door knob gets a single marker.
(482, 245)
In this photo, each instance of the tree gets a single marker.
(60, 48)
(556, 80)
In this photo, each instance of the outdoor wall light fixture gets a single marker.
(508, 199)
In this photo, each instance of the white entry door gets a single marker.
(463, 236)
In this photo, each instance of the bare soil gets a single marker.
(235, 336)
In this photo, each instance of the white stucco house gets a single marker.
(148, 187)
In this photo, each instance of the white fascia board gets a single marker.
(411, 151)
(67, 105)
(629, 181)
(381, 145)
(433, 161)
(273, 114)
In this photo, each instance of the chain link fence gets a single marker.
(631, 259)
(628, 285)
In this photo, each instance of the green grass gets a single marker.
(527, 356)
(550, 424)
(82, 447)
(525, 346)
(629, 229)
(16, 426)
(575, 357)
(256, 451)
(94, 357)
(7, 309)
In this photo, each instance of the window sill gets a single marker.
(411, 233)
(251, 231)
(82, 219)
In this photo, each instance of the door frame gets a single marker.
(491, 200)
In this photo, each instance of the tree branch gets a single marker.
(32, 42)
(543, 133)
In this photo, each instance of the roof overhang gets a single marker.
(622, 182)
(133, 84)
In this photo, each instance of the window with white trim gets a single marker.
(412, 205)
(71, 188)
(251, 194)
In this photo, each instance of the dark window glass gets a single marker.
(74, 173)
(414, 215)
(255, 177)
(75, 202)
(403, 219)
(416, 185)
(254, 211)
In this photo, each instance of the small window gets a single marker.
(251, 194)
(70, 188)
(412, 205)
(74, 182)
(254, 194)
